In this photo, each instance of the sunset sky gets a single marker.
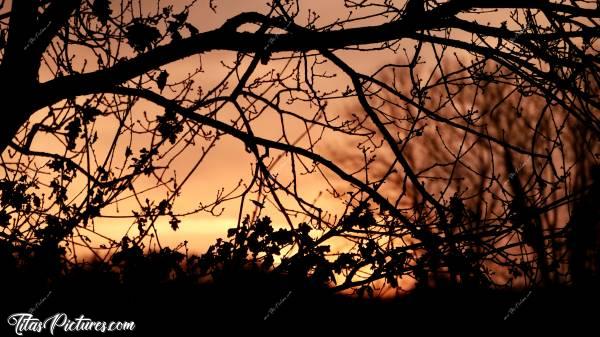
(228, 163)
(444, 152)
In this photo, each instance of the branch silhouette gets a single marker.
(465, 156)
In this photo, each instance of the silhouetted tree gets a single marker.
(93, 117)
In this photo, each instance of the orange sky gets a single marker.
(229, 162)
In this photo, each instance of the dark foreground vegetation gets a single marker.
(162, 294)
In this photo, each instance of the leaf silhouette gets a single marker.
(101, 8)
(169, 126)
(141, 36)
(174, 222)
(161, 81)
(73, 130)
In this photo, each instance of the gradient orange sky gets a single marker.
(229, 162)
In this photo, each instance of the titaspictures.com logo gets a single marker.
(26, 322)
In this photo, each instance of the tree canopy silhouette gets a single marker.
(468, 157)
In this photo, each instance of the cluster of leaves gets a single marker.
(150, 212)
(178, 22)
(157, 266)
(304, 260)
(16, 196)
(249, 245)
(65, 174)
(143, 163)
(169, 126)
(36, 248)
(88, 113)
(73, 130)
(85, 115)
(55, 230)
(142, 36)
(388, 263)
(101, 8)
